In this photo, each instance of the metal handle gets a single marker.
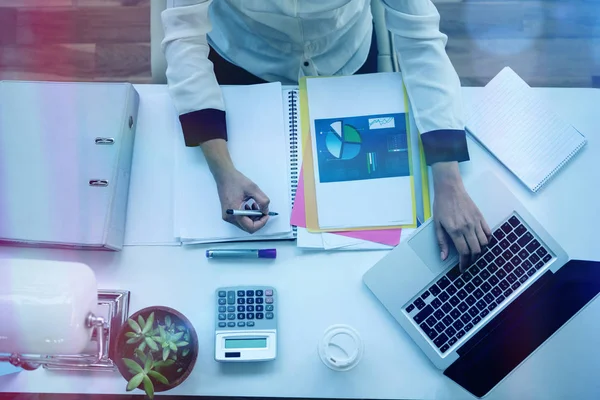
(31, 363)
(104, 140)
(98, 182)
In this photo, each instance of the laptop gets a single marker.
(478, 326)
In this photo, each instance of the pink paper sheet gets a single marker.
(390, 237)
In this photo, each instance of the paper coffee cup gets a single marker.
(341, 348)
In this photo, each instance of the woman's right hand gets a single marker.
(235, 189)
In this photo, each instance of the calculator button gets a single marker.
(222, 302)
(250, 301)
(269, 315)
(241, 324)
(241, 308)
(259, 292)
(268, 292)
(250, 323)
(230, 316)
(222, 293)
(241, 293)
(250, 308)
(241, 315)
(231, 297)
(241, 301)
(259, 315)
(259, 300)
(222, 308)
(269, 300)
(231, 324)
(250, 315)
(222, 324)
(230, 308)
(249, 293)
(222, 317)
(269, 308)
(259, 308)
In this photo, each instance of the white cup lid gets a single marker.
(341, 348)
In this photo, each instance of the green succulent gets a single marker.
(143, 374)
(170, 342)
(142, 333)
(186, 338)
(164, 343)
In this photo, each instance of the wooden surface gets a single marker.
(549, 43)
(90, 40)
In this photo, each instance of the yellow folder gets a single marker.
(312, 223)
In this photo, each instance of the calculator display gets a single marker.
(256, 343)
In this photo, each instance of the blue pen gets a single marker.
(242, 253)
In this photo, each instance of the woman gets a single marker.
(270, 40)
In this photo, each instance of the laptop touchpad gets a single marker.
(425, 244)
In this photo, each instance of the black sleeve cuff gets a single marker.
(203, 125)
(445, 145)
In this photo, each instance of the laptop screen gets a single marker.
(489, 356)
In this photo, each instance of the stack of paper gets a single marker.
(382, 239)
(357, 184)
(258, 149)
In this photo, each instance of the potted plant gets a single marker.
(156, 350)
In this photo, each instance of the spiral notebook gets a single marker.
(262, 124)
(522, 132)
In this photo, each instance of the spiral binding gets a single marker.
(293, 132)
(559, 166)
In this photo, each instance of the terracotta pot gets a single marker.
(124, 350)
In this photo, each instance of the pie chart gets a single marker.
(343, 141)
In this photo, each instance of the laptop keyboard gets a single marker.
(456, 303)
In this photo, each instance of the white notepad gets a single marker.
(262, 144)
(521, 131)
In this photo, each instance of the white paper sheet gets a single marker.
(150, 217)
(309, 240)
(368, 202)
(257, 144)
(337, 242)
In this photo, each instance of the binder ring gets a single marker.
(100, 140)
(98, 182)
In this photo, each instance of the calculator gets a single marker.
(246, 323)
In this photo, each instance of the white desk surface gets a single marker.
(317, 290)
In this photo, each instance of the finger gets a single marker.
(442, 240)
(255, 208)
(234, 221)
(261, 222)
(486, 229)
(482, 237)
(251, 226)
(245, 223)
(260, 198)
(463, 250)
(473, 243)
